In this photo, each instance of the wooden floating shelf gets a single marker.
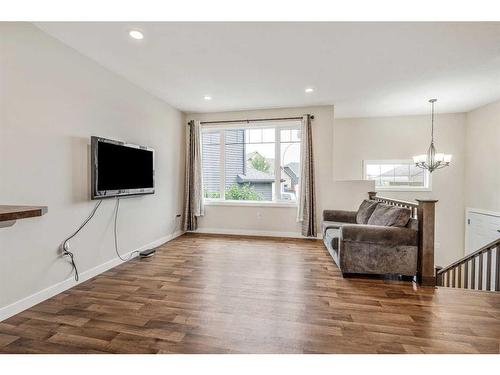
(12, 213)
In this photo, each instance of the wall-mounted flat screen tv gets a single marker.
(120, 169)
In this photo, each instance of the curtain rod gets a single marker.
(254, 120)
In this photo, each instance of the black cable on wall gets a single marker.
(65, 244)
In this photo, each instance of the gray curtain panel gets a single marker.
(306, 212)
(193, 196)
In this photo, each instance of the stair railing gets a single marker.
(476, 270)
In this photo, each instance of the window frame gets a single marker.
(427, 176)
(277, 126)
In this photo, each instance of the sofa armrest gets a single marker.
(390, 236)
(340, 216)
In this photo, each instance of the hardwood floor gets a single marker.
(213, 294)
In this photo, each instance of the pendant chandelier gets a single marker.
(432, 160)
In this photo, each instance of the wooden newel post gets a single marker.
(426, 213)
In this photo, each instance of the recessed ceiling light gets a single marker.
(207, 97)
(136, 34)
(309, 89)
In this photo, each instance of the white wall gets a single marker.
(282, 220)
(52, 100)
(482, 182)
(358, 139)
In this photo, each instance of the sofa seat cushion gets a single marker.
(365, 210)
(325, 225)
(331, 238)
(376, 234)
(390, 216)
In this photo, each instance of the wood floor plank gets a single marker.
(229, 294)
(7, 339)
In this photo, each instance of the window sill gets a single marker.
(414, 190)
(250, 203)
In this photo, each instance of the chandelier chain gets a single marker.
(432, 123)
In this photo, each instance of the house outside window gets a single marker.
(254, 163)
(396, 175)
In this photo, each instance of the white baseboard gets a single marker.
(246, 232)
(36, 298)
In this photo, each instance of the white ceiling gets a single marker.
(364, 69)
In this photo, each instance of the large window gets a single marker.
(396, 175)
(255, 162)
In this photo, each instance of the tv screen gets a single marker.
(120, 169)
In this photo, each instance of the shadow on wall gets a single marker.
(80, 169)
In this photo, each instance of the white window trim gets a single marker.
(219, 202)
(252, 125)
(222, 167)
(277, 165)
(427, 176)
(278, 125)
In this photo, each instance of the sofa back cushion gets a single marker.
(412, 224)
(365, 210)
(390, 216)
